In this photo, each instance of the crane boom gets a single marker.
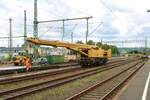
(71, 46)
(89, 54)
(59, 44)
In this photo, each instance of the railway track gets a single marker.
(105, 89)
(10, 72)
(6, 80)
(22, 91)
(23, 77)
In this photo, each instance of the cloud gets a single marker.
(122, 25)
(122, 19)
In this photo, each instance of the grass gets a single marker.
(58, 92)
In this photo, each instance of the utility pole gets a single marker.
(72, 37)
(35, 28)
(63, 30)
(87, 29)
(68, 19)
(10, 36)
(145, 45)
(35, 22)
(122, 43)
(25, 27)
(102, 41)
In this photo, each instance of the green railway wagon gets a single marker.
(54, 59)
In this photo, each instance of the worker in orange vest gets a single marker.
(27, 64)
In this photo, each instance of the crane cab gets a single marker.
(95, 57)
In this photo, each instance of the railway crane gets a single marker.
(90, 55)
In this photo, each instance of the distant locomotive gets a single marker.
(89, 55)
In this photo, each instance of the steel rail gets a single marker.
(6, 80)
(22, 91)
(115, 89)
(91, 88)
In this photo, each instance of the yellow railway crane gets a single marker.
(90, 55)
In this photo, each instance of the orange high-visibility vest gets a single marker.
(27, 63)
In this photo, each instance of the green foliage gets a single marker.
(79, 42)
(90, 42)
(105, 47)
(134, 52)
(99, 44)
(113, 48)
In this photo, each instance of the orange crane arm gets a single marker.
(71, 46)
(59, 44)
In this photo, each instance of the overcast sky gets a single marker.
(112, 19)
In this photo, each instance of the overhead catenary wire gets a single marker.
(111, 10)
(95, 29)
(108, 8)
(11, 37)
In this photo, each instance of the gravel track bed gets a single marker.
(65, 91)
(25, 81)
(31, 81)
(100, 91)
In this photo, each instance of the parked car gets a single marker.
(42, 61)
(39, 61)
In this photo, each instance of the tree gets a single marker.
(114, 50)
(79, 42)
(99, 44)
(105, 46)
(134, 52)
(91, 42)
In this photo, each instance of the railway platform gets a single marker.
(12, 69)
(138, 88)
